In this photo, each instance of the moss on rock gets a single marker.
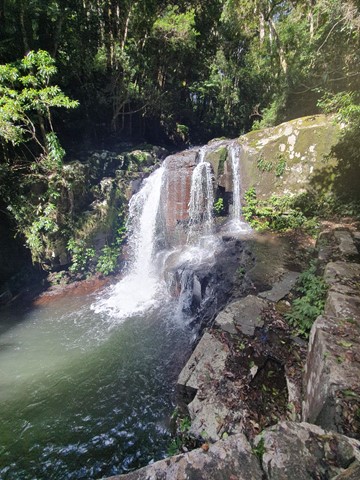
(299, 152)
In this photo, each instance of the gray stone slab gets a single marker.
(281, 288)
(227, 459)
(332, 372)
(301, 451)
(243, 315)
(342, 305)
(207, 359)
(343, 273)
(346, 244)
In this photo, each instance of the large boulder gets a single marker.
(332, 375)
(227, 459)
(289, 158)
(301, 451)
(243, 315)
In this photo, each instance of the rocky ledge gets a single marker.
(248, 398)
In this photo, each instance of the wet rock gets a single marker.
(243, 315)
(206, 362)
(179, 170)
(5, 296)
(346, 244)
(270, 253)
(227, 459)
(332, 375)
(281, 288)
(301, 451)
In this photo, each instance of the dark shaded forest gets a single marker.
(78, 75)
(169, 71)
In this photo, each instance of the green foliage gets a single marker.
(81, 256)
(108, 259)
(182, 438)
(280, 166)
(25, 91)
(310, 304)
(345, 106)
(276, 213)
(219, 206)
(263, 165)
(259, 449)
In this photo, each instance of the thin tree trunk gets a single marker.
(283, 63)
(261, 28)
(23, 27)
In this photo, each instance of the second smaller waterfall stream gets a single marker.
(201, 221)
(236, 224)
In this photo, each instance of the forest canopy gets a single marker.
(190, 70)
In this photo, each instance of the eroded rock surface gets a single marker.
(227, 459)
(301, 451)
(243, 315)
(332, 376)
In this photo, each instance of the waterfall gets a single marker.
(177, 197)
(201, 221)
(143, 286)
(235, 156)
(236, 224)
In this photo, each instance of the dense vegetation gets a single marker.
(190, 69)
(82, 74)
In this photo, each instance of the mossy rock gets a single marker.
(217, 160)
(290, 158)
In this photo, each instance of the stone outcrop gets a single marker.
(288, 158)
(332, 377)
(301, 451)
(198, 382)
(287, 451)
(243, 315)
(227, 459)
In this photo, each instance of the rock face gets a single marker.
(288, 159)
(179, 170)
(332, 377)
(227, 459)
(204, 368)
(301, 451)
(288, 451)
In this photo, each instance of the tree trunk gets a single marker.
(261, 28)
(22, 17)
(281, 53)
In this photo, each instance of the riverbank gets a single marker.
(247, 396)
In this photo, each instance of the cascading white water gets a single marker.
(234, 151)
(143, 286)
(201, 220)
(236, 224)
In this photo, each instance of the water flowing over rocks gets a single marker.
(231, 367)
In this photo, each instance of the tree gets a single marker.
(35, 161)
